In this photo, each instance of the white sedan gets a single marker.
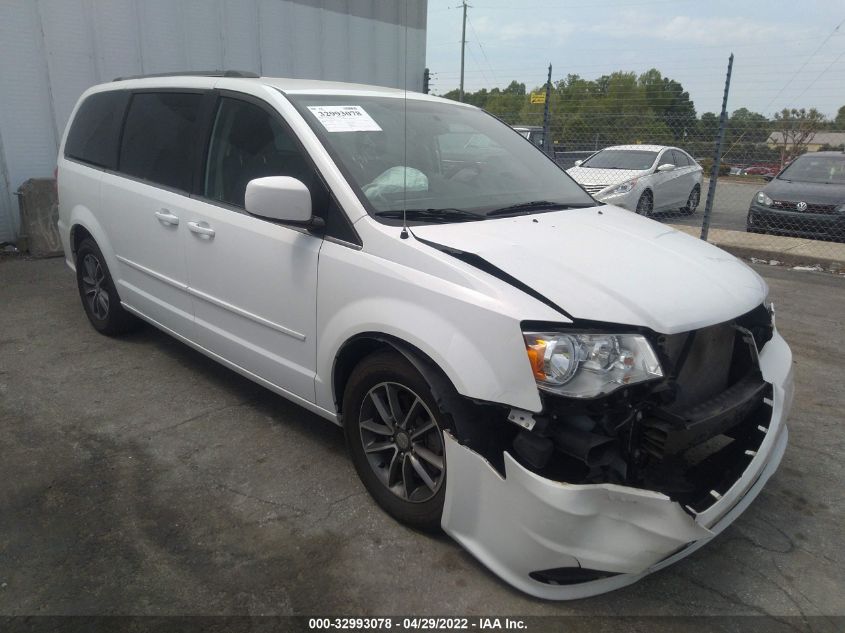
(642, 178)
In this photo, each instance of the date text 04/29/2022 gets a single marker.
(417, 624)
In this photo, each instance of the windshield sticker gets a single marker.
(349, 118)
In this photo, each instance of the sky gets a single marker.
(786, 53)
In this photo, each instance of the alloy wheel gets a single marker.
(694, 198)
(644, 204)
(93, 285)
(402, 442)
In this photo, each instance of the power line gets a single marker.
(810, 85)
(831, 34)
(478, 41)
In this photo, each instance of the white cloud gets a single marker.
(682, 28)
(492, 31)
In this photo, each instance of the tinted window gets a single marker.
(666, 158)
(826, 168)
(621, 159)
(247, 142)
(681, 159)
(159, 138)
(95, 132)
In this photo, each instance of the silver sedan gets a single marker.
(642, 178)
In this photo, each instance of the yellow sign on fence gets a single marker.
(538, 97)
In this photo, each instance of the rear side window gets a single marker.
(666, 158)
(95, 132)
(159, 138)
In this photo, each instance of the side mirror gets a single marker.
(577, 163)
(280, 198)
(666, 167)
(768, 177)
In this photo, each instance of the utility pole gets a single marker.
(548, 144)
(463, 47)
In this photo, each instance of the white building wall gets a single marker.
(52, 50)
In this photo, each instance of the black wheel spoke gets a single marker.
(393, 402)
(394, 469)
(91, 268)
(429, 456)
(408, 486)
(402, 441)
(378, 447)
(382, 408)
(409, 415)
(423, 429)
(375, 427)
(422, 472)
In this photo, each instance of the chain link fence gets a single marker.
(780, 188)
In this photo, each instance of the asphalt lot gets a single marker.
(139, 477)
(730, 206)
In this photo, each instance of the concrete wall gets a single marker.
(52, 50)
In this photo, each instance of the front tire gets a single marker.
(645, 205)
(394, 432)
(98, 293)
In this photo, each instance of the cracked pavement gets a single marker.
(139, 477)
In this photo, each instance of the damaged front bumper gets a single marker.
(562, 541)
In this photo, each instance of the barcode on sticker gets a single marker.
(348, 118)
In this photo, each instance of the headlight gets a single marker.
(581, 365)
(763, 199)
(625, 187)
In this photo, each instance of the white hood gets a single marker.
(605, 177)
(608, 264)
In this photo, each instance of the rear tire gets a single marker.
(692, 201)
(645, 205)
(394, 432)
(98, 293)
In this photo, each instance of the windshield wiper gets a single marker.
(441, 215)
(538, 205)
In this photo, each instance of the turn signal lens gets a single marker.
(536, 354)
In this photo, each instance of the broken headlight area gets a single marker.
(689, 434)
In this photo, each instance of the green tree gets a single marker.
(670, 102)
(794, 129)
(747, 126)
(839, 121)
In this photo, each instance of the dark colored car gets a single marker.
(806, 199)
(760, 170)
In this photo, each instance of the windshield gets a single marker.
(824, 169)
(621, 159)
(459, 162)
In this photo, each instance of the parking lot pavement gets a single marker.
(139, 477)
(730, 206)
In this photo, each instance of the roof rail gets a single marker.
(195, 73)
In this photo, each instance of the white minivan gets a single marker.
(577, 394)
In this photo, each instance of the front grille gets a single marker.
(593, 189)
(717, 414)
(792, 205)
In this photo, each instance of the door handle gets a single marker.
(166, 217)
(201, 228)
